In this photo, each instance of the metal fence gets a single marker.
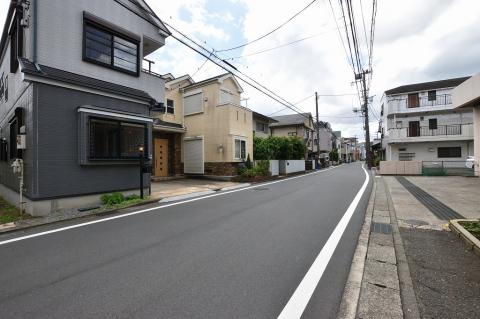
(446, 168)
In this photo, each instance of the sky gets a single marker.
(415, 41)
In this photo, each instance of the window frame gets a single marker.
(432, 95)
(113, 33)
(449, 155)
(242, 142)
(118, 123)
(170, 107)
(432, 124)
(189, 94)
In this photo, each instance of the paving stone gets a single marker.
(377, 302)
(381, 253)
(381, 219)
(381, 239)
(381, 273)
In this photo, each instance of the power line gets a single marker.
(201, 66)
(267, 34)
(272, 95)
(277, 47)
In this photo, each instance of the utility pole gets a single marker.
(318, 128)
(367, 125)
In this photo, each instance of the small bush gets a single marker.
(248, 163)
(112, 199)
(261, 169)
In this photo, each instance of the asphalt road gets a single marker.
(236, 255)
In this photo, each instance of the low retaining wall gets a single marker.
(292, 166)
(400, 168)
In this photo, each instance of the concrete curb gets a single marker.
(92, 213)
(351, 293)
(469, 239)
(407, 294)
(229, 188)
(185, 196)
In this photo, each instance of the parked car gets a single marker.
(470, 162)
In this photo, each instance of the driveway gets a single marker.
(178, 187)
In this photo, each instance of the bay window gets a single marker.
(114, 140)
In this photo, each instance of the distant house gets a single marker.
(421, 124)
(74, 99)
(218, 132)
(300, 125)
(261, 124)
(326, 140)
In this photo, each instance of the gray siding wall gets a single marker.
(59, 172)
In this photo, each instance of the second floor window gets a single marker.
(110, 49)
(432, 95)
(225, 97)
(170, 106)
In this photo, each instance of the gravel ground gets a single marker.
(445, 274)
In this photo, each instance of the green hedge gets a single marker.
(278, 148)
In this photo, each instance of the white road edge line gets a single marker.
(153, 208)
(298, 301)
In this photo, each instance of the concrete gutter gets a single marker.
(471, 240)
(229, 188)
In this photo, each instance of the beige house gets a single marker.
(300, 125)
(261, 125)
(213, 131)
(467, 95)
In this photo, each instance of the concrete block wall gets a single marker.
(401, 168)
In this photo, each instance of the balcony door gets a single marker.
(413, 128)
(413, 100)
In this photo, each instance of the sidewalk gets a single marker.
(407, 263)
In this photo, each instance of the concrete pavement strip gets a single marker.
(229, 188)
(186, 196)
(469, 239)
(379, 283)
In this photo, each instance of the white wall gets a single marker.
(422, 152)
(60, 40)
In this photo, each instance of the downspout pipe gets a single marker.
(34, 49)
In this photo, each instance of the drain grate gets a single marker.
(381, 228)
(438, 208)
(260, 189)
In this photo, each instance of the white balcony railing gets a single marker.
(442, 132)
(420, 104)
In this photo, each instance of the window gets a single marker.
(225, 97)
(432, 124)
(193, 104)
(113, 140)
(170, 106)
(292, 133)
(432, 95)
(398, 124)
(3, 150)
(240, 149)
(262, 127)
(449, 152)
(110, 49)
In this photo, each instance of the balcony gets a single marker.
(454, 132)
(420, 104)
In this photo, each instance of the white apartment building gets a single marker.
(421, 124)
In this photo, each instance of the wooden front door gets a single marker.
(413, 100)
(161, 157)
(413, 128)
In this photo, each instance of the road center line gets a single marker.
(298, 301)
(154, 208)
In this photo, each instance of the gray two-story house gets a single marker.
(75, 102)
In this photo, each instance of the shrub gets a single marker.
(333, 155)
(278, 148)
(248, 163)
(132, 197)
(261, 169)
(112, 199)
